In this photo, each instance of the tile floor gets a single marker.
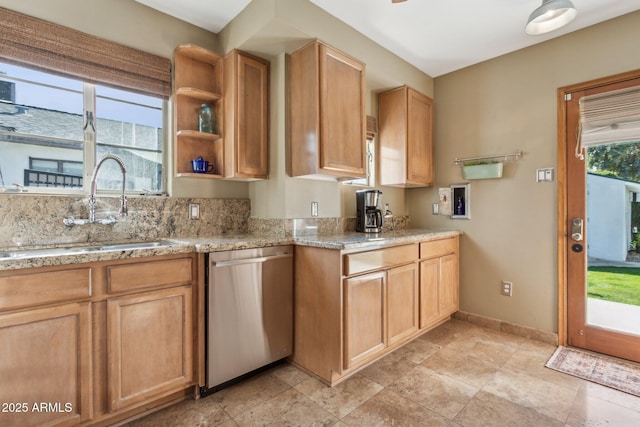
(458, 374)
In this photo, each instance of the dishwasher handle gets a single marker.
(249, 260)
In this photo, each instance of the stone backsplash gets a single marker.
(33, 220)
(322, 226)
(27, 220)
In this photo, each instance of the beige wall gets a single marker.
(133, 24)
(501, 106)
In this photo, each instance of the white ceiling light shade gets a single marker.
(551, 15)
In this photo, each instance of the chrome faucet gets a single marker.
(70, 221)
(94, 187)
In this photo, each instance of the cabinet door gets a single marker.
(448, 286)
(45, 366)
(429, 282)
(364, 317)
(402, 302)
(246, 116)
(406, 138)
(419, 139)
(149, 341)
(342, 114)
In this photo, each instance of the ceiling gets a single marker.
(436, 36)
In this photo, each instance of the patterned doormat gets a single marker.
(611, 372)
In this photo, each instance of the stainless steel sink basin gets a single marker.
(74, 250)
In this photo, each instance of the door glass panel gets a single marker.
(613, 215)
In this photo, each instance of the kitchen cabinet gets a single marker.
(45, 347)
(326, 113)
(402, 302)
(246, 116)
(197, 80)
(405, 138)
(352, 308)
(103, 341)
(149, 341)
(150, 323)
(45, 359)
(236, 88)
(439, 280)
(365, 325)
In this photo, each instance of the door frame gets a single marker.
(563, 218)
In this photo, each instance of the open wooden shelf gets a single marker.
(198, 94)
(197, 81)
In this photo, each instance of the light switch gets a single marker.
(548, 174)
(544, 175)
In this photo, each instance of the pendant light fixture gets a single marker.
(551, 15)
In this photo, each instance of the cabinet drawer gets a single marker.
(29, 289)
(381, 258)
(438, 248)
(128, 277)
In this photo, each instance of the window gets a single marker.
(53, 130)
(53, 173)
(370, 179)
(63, 107)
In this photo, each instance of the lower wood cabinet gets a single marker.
(364, 317)
(352, 308)
(381, 309)
(149, 342)
(402, 302)
(45, 366)
(122, 341)
(439, 281)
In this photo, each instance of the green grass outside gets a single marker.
(617, 284)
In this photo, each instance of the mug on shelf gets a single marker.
(200, 165)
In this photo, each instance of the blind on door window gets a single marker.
(610, 117)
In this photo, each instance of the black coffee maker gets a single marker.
(368, 213)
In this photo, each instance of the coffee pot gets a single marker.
(369, 216)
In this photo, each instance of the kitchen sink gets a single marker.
(75, 250)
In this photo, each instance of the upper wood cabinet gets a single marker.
(197, 80)
(405, 120)
(246, 116)
(236, 88)
(327, 126)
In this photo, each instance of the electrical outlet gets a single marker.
(507, 288)
(194, 211)
(314, 208)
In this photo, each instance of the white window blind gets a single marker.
(610, 117)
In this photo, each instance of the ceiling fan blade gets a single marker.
(398, 1)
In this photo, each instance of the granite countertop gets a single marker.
(360, 241)
(345, 241)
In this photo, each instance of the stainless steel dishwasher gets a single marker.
(249, 310)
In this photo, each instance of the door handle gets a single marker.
(576, 229)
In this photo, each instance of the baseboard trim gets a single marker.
(510, 328)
